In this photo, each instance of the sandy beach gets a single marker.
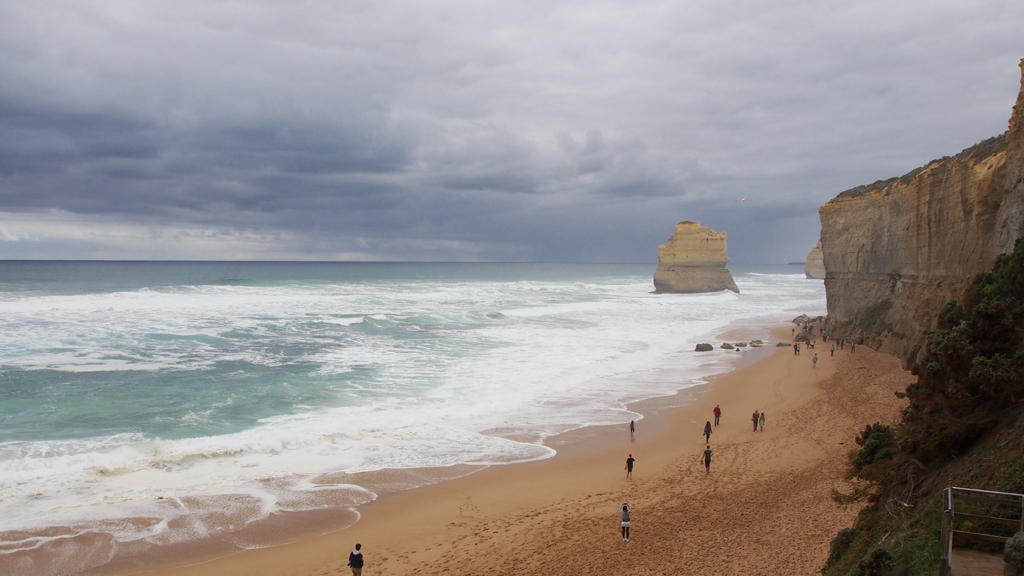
(764, 508)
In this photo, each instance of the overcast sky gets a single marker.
(474, 130)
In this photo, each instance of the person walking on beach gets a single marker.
(625, 510)
(814, 361)
(707, 459)
(718, 414)
(796, 349)
(707, 431)
(755, 420)
(355, 561)
(629, 466)
(832, 351)
(632, 427)
(760, 421)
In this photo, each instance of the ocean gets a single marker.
(162, 403)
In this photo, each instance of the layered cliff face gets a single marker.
(896, 251)
(815, 267)
(693, 260)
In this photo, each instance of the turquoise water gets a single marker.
(126, 385)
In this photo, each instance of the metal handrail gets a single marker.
(947, 534)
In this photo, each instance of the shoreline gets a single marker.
(444, 523)
(284, 529)
(280, 529)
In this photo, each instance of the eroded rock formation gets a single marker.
(815, 267)
(897, 250)
(693, 260)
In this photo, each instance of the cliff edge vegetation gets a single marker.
(962, 427)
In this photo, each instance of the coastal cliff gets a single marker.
(815, 267)
(693, 260)
(897, 250)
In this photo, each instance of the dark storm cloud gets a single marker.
(458, 130)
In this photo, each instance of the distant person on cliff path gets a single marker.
(718, 414)
(707, 459)
(832, 351)
(629, 466)
(707, 431)
(760, 421)
(355, 561)
(625, 510)
(814, 361)
(853, 347)
(755, 420)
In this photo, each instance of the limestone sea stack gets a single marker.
(815, 267)
(693, 260)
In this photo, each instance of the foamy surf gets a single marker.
(166, 413)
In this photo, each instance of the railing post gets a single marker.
(946, 536)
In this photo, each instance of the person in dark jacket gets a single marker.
(707, 431)
(355, 561)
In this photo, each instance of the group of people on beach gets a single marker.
(837, 344)
(705, 457)
(758, 419)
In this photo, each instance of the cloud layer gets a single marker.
(570, 131)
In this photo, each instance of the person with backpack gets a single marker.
(355, 561)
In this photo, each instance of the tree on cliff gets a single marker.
(973, 369)
(970, 383)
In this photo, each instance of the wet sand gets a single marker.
(764, 508)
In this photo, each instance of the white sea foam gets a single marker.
(346, 378)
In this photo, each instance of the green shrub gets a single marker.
(972, 371)
(876, 563)
(877, 442)
(1013, 551)
(840, 544)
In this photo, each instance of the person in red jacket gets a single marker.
(718, 414)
